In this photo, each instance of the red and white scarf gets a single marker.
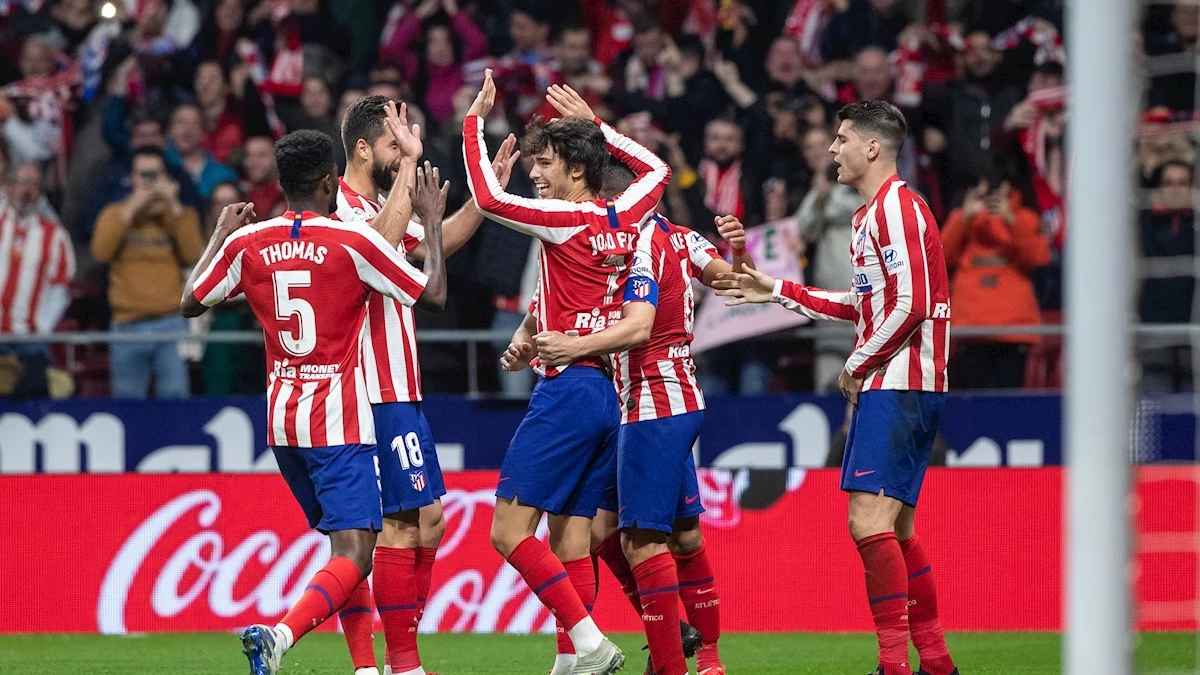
(804, 24)
(723, 188)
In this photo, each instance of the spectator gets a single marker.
(992, 245)
(863, 23)
(218, 37)
(430, 47)
(824, 221)
(224, 128)
(38, 129)
(1176, 90)
(695, 96)
(261, 184)
(785, 68)
(639, 76)
(147, 240)
(37, 263)
(114, 183)
(186, 150)
(578, 68)
(872, 77)
(961, 116)
(1167, 242)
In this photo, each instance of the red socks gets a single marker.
(887, 593)
(922, 611)
(358, 623)
(425, 559)
(583, 577)
(658, 588)
(396, 599)
(547, 577)
(698, 590)
(326, 592)
(610, 552)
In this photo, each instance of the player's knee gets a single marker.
(683, 542)
(863, 525)
(502, 539)
(357, 546)
(433, 526)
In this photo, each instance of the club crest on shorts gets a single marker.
(418, 480)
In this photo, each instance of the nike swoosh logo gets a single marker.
(702, 591)
(860, 474)
(691, 500)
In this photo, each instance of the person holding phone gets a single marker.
(147, 240)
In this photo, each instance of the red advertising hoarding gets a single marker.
(139, 553)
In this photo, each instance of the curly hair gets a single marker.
(364, 119)
(579, 142)
(304, 159)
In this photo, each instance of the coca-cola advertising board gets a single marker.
(128, 553)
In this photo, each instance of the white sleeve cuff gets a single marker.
(777, 293)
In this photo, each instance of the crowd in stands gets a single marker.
(127, 125)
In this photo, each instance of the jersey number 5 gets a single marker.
(303, 340)
(408, 449)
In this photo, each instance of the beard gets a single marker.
(382, 176)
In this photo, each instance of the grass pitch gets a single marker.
(744, 654)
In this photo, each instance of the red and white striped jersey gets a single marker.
(306, 278)
(900, 300)
(37, 262)
(390, 332)
(585, 245)
(658, 379)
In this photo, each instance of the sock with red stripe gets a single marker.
(887, 594)
(698, 590)
(923, 621)
(358, 623)
(658, 589)
(396, 599)
(548, 579)
(583, 577)
(325, 593)
(610, 552)
(425, 558)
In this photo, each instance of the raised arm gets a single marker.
(392, 221)
(458, 229)
(902, 231)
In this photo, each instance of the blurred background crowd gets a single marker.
(127, 126)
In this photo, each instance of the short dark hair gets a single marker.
(364, 119)
(616, 178)
(690, 45)
(304, 158)
(579, 142)
(1156, 177)
(878, 119)
(1051, 68)
(147, 151)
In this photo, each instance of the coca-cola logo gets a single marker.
(191, 563)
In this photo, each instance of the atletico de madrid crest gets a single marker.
(418, 480)
(641, 288)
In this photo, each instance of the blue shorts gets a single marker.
(559, 457)
(336, 485)
(654, 462)
(888, 444)
(410, 475)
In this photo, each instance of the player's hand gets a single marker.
(555, 348)
(408, 138)
(568, 103)
(486, 97)
(732, 231)
(850, 386)
(235, 216)
(428, 200)
(516, 357)
(506, 158)
(753, 286)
